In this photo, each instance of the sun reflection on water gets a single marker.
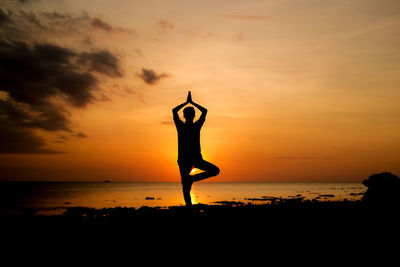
(194, 198)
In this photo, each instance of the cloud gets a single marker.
(34, 74)
(80, 135)
(27, 1)
(14, 139)
(28, 26)
(102, 25)
(98, 23)
(101, 61)
(167, 120)
(165, 26)
(25, 24)
(7, 25)
(33, 19)
(40, 81)
(150, 77)
(46, 117)
(137, 51)
(4, 18)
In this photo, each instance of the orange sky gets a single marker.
(295, 90)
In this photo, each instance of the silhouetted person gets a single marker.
(189, 151)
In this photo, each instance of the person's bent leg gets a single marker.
(209, 169)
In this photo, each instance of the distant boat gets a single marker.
(107, 181)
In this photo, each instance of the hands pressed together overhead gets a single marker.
(189, 98)
(190, 101)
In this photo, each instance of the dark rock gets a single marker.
(356, 194)
(229, 203)
(383, 190)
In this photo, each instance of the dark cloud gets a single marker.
(102, 61)
(14, 139)
(98, 23)
(33, 19)
(80, 135)
(53, 16)
(21, 22)
(41, 81)
(27, 1)
(7, 25)
(87, 41)
(102, 25)
(46, 117)
(34, 74)
(40, 24)
(4, 18)
(77, 87)
(57, 21)
(150, 77)
(33, 78)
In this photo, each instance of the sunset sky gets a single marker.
(295, 90)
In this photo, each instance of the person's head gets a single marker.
(189, 114)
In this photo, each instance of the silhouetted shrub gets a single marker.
(383, 190)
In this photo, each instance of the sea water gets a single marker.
(54, 197)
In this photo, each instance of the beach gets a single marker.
(136, 203)
(54, 198)
(259, 225)
(287, 221)
(246, 216)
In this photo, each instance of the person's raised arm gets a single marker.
(175, 110)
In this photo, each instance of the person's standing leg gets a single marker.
(186, 181)
(209, 169)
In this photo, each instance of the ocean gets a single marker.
(53, 197)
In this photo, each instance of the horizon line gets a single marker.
(154, 182)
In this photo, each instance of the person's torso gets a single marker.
(189, 142)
